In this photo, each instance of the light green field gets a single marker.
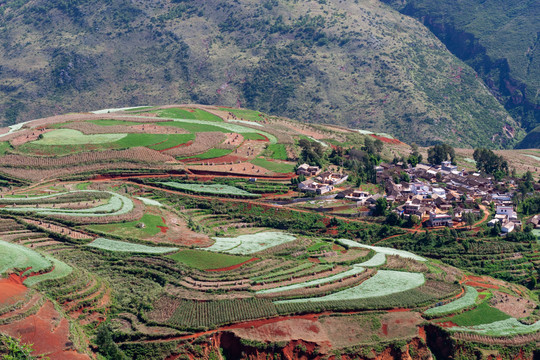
(74, 137)
(130, 229)
(4, 146)
(250, 243)
(253, 136)
(205, 260)
(111, 122)
(273, 166)
(60, 270)
(215, 189)
(14, 256)
(465, 301)
(196, 114)
(122, 246)
(245, 114)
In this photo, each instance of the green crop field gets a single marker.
(205, 260)
(210, 154)
(273, 166)
(172, 140)
(14, 256)
(194, 127)
(196, 114)
(277, 151)
(122, 246)
(59, 271)
(253, 136)
(130, 229)
(483, 314)
(465, 301)
(214, 189)
(4, 146)
(75, 137)
(111, 122)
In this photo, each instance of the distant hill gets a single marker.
(357, 63)
(500, 39)
(531, 141)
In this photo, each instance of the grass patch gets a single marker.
(4, 146)
(273, 166)
(277, 151)
(210, 154)
(172, 140)
(130, 229)
(82, 186)
(483, 314)
(195, 114)
(205, 260)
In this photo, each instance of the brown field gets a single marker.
(89, 129)
(244, 168)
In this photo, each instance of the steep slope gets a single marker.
(357, 63)
(498, 38)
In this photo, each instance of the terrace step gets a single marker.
(30, 308)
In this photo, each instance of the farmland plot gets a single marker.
(147, 201)
(14, 256)
(74, 137)
(385, 282)
(117, 205)
(465, 301)
(383, 250)
(377, 260)
(122, 246)
(508, 327)
(59, 271)
(249, 244)
(351, 272)
(215, 189)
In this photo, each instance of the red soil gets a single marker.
(422, 333)
(398, 310)
(234, 266)
(10, 288)
(163, 228)
(47, 331)
(387, 140)
(385, 329)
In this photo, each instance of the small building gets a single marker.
(508, 227)
(331, 178)
(314, 187)
(358, 195)
(535, 221)
(447, 166)
(308, 170)
(440, 219)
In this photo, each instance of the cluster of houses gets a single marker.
(322, 183)
(439, 195)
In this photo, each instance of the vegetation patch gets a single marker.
(214, 189)
(60, 270)
(277, 151)
(463, 302)
(210, 154)
(147, 226)
(249, 244)
(507, 327)
(204, 260)
(385, 282)
(195, 114)
(122, 246)
(483, 314)
(14, 256)
(75, 137)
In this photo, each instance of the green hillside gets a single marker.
(498, 38)
(356, 62)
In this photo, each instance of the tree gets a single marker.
(490, 163)
(106, 346)
(393, 219)
(378, 145)
(15, 350)
(380, 207)
(441, 152)
(369, 145)
(415, 157)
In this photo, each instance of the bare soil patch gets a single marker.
(514, 306)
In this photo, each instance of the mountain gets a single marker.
(356, 63)
(499, 39)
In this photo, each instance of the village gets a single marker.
(430, 195)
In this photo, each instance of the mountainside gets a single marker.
(356, 63)
(498, 38)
